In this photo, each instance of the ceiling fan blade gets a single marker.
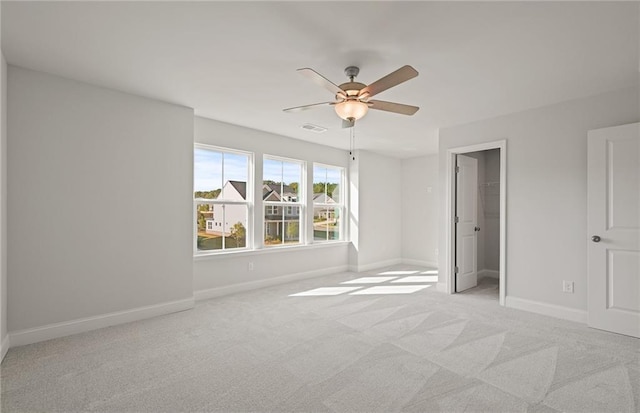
(305, 107)
(392, 79)
(393, 107)
(348, 123)
(320, 80)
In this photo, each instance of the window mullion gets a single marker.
(224, 227)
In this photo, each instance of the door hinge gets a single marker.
(456, 220)
(455, 269)
(457, 169)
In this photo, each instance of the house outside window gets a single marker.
(222, 198)
(328, 203)
(291, 211)
(283, 186)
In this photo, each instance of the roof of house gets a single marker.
(241, 187)
(269, 189)
(323, 198)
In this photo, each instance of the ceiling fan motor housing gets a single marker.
(352, 88)
(352, 72)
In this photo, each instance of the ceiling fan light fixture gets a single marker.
(351, 109)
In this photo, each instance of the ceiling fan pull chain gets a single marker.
(352, 142)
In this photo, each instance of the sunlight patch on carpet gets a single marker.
(369, 280)
(324, 291)
(398, 272)
(418, 279)
(391, 289)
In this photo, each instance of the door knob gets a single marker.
(476, 229)
(595, 238)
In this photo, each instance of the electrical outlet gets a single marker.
(437, 252)
(567, 287)
(250, 266)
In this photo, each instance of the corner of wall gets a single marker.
(4, 347)
(4, 338)
(379, 238)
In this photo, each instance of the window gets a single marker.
(271, 210)
(328, 207)
(222, 198)
(281, 189)
(291, 211)
(224, 193)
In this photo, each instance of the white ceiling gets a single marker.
(236, 61)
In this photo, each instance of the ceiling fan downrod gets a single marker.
(351, 72)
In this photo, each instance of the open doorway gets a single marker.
(476, 232)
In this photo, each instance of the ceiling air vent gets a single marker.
(313, 128)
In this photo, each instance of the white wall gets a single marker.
(225, 273)
(99, 200)
(4, 343)
(420, 210)
(546, 190)
(354, 210)
(379, 210)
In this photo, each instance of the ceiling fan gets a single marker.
(353, 99)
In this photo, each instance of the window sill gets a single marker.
(268, 250)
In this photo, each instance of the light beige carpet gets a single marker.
(388, 342)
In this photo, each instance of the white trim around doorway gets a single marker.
(450, 213)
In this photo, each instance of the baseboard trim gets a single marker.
(379, 265)
(421, 263)
(269, 282)
(81, 325)
(489, 274)
(557, 311)
(4, 347)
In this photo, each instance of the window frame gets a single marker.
(285, 205)
(323, 205)
(248, 202)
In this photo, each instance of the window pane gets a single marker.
(281, 225)
(334, 178)
(221, 226)
(221, 175)
(326, 223)
(292, 230)
(209, 233)
(272, 180)
(281, 180)
(326, 185)
(236, 172)
(207, 173)
(291, 178)
(272, 225)
(235, 227)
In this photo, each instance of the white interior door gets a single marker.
(614, 229)
(466, 261)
